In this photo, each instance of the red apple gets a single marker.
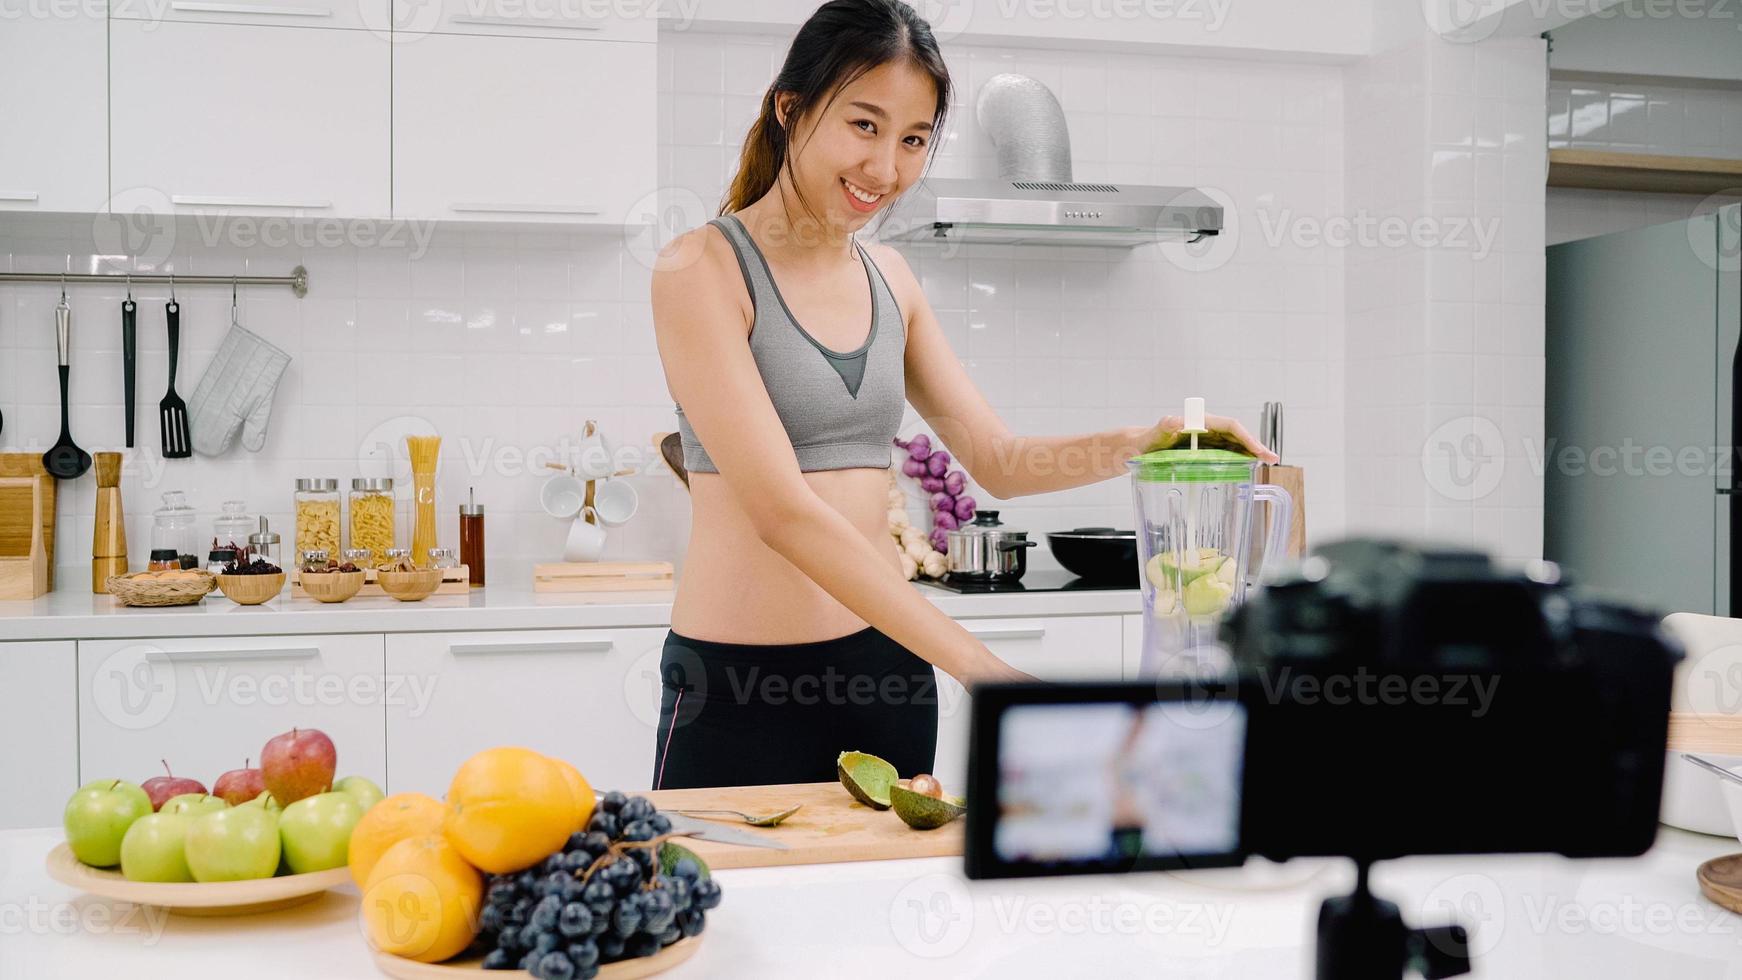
(160, 788)
(238, 786)
(298, 764)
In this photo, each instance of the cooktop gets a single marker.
(1035, 580)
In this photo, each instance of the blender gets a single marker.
(1196, 539)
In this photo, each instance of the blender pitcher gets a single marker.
(1195, 537)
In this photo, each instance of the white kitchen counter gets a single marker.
(1530, 917)
(74, 613)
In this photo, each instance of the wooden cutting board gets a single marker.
(832, 827)
(15, 508)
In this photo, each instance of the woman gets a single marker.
(790, 350)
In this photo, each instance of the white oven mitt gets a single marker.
(236, 393)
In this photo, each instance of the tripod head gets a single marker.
(1364, 937)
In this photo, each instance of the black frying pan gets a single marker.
(1099, 554)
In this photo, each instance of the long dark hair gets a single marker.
(841, 41)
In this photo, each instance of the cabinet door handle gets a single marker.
(532, 646)
(1009, 632)
(555, 25)
(17, 195)
(246, 202)
(511, 208)
(258, 653)
(249, 8)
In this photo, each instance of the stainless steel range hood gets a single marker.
(1028, 212)
(1034, 200)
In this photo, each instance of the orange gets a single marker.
(387, 823)
(509, 808)
(421, 900)
(579, 789)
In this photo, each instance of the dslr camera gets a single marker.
(1381, 699)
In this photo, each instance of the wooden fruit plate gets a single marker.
(213, 898)
(1721, 881)
(646, 966)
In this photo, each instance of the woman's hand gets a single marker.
(1224, 433)
(995, 671)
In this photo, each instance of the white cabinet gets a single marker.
(1054, 648)
(39, 713)
(54, 113)
(588, 696)
(1133, 646)
(522, 129)
(207, 704)
(224, 118)
(594, 20)
(351, 14)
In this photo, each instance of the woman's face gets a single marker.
(854, 155)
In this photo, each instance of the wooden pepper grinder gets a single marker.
(109, 544)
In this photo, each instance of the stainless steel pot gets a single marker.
(983, 550)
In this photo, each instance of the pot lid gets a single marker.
(1193, 466)
(987, 522)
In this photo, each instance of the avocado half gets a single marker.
(867, 777)
(923, 812)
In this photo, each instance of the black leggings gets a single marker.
(741, 714)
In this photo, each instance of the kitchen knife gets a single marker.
(711, 831)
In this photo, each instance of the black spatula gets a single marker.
(172, 411)
(65, 460)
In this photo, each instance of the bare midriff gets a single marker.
(735, 589)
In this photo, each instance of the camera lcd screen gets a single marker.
(1107, 783)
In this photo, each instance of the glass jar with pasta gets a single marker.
(372, 517)
(317, 515)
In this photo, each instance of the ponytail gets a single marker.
(760, 159)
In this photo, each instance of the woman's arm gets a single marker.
(1005, 464)
(709, 368)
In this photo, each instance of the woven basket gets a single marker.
(331, 586)
(410, 586)
(137, 590)
(251, 590)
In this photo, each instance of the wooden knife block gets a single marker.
(1292, 479)
(25, 576)
(16, 507)
(109, 539)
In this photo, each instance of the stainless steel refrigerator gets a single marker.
(1641, 492)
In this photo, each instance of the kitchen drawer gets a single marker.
(370, 15)
(208, 704)
(54, 110)
(1053, 648)
(39, 734)
(574, 20)
(588, 696)
(229, 119)
(522, 129)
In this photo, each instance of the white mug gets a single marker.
(586, 540)
(615, 501)
(593, 459)
(562, 495)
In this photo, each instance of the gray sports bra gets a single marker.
(840, 409)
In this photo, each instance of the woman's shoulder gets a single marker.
(896, 272)
(697, 266)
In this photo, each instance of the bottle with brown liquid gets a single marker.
(472, 538)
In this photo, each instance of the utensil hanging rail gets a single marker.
(297, 280)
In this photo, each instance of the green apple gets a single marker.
(97, 817)
(366, 792)
(153, 849)
(1206, 596)
(265, 801)
(237, 844)
(316, 831)
(193, 804)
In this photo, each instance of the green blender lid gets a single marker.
(1193, 466)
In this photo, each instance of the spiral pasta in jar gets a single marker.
(317, 516)
(372, 518)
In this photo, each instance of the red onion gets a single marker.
(938, 463)
(954, 481)
(944, 520)
(912, 467)
(943, 501)
(940, 540)
(919, 447)
(931, 484)
(965, 508)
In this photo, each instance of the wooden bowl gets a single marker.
(331, 586)
(410, 586)
(251, 590)
(194, 898)
(147, 589)
(645, 966)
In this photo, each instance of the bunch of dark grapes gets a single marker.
(600, 899)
